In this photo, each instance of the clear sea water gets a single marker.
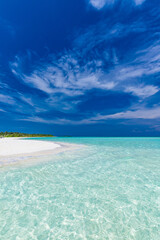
(107, 190)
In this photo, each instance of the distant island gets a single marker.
(17, 134)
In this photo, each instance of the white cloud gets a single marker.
(39, 81)
(142, 91)
(139, 2)
(69, 76)
(143, 113)
(99, 4)
(6, 99)
(27, 100)
(73, 73)
(58, 121)
(65, 75)
(146, 62)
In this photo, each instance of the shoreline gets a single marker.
(16, 146)
(20, 151)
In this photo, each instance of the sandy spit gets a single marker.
(14, 146)
(22, 151)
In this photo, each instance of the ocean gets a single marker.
(107, 189)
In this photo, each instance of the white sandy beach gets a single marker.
(22, 151)
(16, 146)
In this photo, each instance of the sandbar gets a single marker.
(22, 151)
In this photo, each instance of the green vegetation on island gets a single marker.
(17, 134)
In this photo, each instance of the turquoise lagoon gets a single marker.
(108, 189)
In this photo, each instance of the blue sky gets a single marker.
(80, 67)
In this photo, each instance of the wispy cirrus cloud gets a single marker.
(71, 75)
(99, 4)
(142, 91)
(59, 121)
(6, 99)
(95, 61)
(139, 2)
(65, 75)
(142, 113)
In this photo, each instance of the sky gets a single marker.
(80, 67)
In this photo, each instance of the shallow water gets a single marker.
(107, 190)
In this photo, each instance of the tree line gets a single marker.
(18, 134)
